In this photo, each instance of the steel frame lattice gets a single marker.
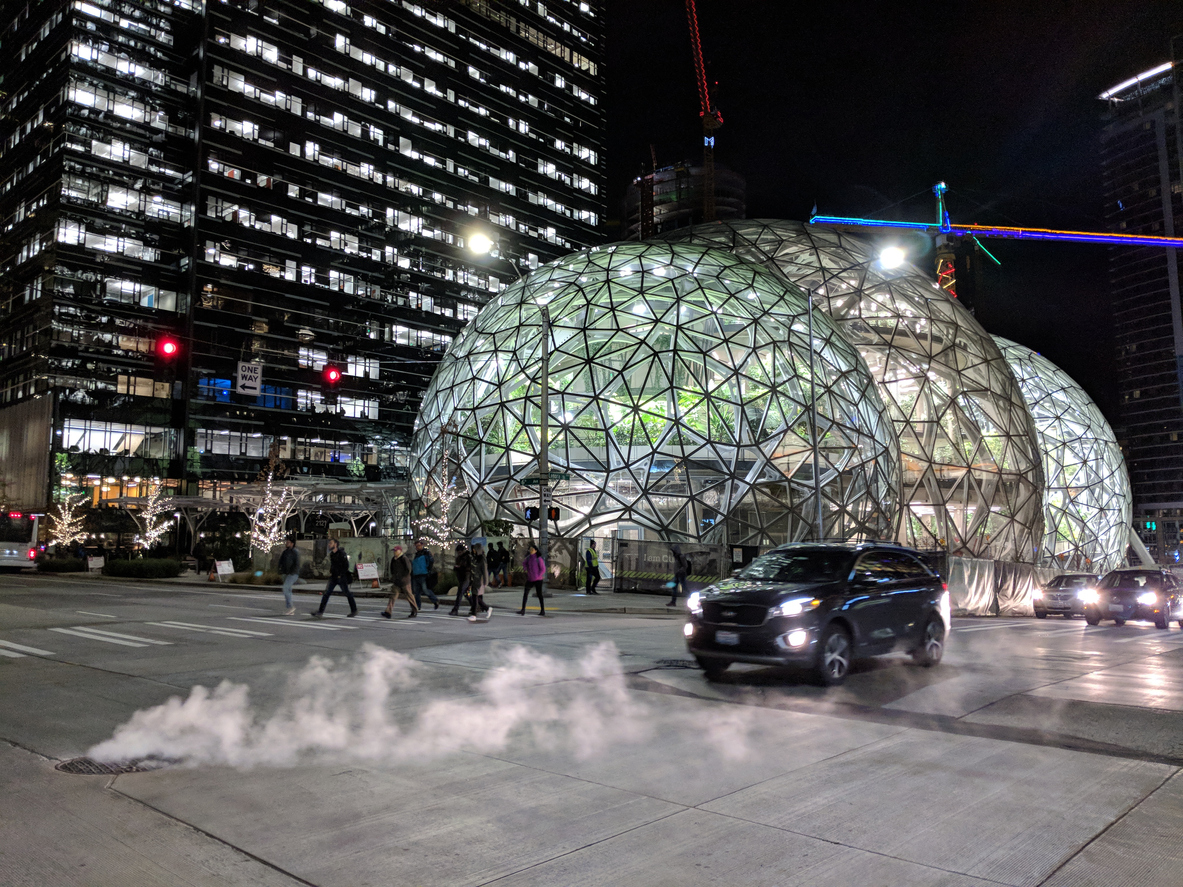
(1088, 502)
(679, 402)
(971, 470)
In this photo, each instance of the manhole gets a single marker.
(677, 663)
(87, 767)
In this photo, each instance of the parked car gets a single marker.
(1063, 595)
(820, 606)
(1139, 594)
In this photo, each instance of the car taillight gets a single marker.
(32, 553)
(944, 586)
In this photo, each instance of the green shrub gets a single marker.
(267, 577)
(61, 564)
(446, 583)
(156, 568)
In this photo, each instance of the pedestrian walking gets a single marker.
(421, 567)
(505, 564)
(535, 568)
(289, 568)
(681, 571)
(493, 562)
(592, 557)
(338, 578)
(400, 583)
(480, 578)
(463, 570)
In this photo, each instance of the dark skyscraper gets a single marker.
(1143, 181)
(281, 188)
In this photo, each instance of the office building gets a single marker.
(277, 189)
(1143, 193)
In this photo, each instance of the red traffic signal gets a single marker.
(332, 375)
(168, 347)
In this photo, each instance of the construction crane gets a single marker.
(711, 118)
(946, 236)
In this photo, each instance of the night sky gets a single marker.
(862, 107)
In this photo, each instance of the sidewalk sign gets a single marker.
(224, 568)
(95, 564)
(368, 571)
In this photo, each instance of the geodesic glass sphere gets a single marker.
(1088, 502)
(679, 402)
(972, 474)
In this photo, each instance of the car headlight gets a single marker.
(798, 606)
(1149, 598)
(694, 602)
(1037, 594)
(1088, 595)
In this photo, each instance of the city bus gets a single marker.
(18, 539)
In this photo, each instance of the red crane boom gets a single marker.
(711, 118)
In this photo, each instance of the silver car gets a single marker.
(1063, 595)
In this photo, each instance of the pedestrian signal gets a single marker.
(532, 512)
(552, 513)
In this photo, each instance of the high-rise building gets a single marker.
(284, 192)
(672, 197)
(1142, 169)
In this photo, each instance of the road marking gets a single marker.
(232, 607)
(225, 632)
(126, 637)
(11, 654)
(104, 615)
(275, 620)
(245, 631)
(95, 637)
(984, 628)
(25, 649)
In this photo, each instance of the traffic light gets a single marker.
(167, 353)
(532, 512)
(330, 384)
(552, 513)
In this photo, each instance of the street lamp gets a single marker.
(889, 258)
(544, 444)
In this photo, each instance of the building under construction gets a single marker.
(672, 197)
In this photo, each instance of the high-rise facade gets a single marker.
(280, 187)
(1142, 169)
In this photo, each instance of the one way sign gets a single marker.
(250, 379)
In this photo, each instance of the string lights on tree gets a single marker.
(438, 495)
(152, 516)
(276, 503)
(66, 530)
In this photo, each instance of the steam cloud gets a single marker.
(344, 708)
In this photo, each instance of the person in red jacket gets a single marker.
(535, 568)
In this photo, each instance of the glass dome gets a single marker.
(679, 382)
(971, 473)
(1087, 504)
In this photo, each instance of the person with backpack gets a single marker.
(463, 570)
(338, 578)
(493, 562)
(480, 578)
(421, 569)
(535, 568)
(505, 564)
(289, 569)
(592, 557)
(400, 583)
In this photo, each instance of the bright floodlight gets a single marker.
(480, 243)
(892, 257)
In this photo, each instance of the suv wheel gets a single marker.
(1092, 617)
(1161, 620)
(1118, 621)
(833, 656)
(932, 644)
(1041, 614)
(712, 669)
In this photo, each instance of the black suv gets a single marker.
(821, 606)
(1145, 594)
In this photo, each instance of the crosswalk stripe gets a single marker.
(96, 637)
(224, 632)
(242, 631)
(276, 621)
(25, 649)
(86, 613)
(12, 654)
(126, 637)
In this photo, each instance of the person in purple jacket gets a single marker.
(535, 569)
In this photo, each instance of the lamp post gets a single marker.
(544, 445)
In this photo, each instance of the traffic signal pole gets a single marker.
(544, 445)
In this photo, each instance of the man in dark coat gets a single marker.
(463, 569)
(400, 583)
(289, 569)
(338, 577)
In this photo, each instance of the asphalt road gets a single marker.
(573, 750)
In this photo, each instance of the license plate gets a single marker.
(730, 638)
(1115, 608)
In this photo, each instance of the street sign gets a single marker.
(536, 480)
(250, 379)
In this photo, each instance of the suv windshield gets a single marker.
(1132, 580)
(1071, 582)
(797, 566)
